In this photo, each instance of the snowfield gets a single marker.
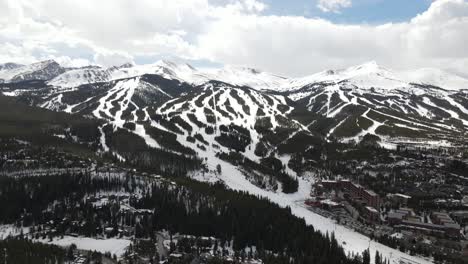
(11, 231)
(112, 245)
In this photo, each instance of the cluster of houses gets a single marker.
(357, 200)
(438, 224)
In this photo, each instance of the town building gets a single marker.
(442, 224)
(354, 192)
(398, 199)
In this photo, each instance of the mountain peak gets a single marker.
(367, 67)
(236, 68)
(10, 66)
(173, 65)
(126, 65)
(46, 62)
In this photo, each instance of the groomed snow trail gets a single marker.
(353, 241)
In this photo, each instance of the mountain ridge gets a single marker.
(344, 105)
(369, 74)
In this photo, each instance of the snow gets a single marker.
(140, 131)
(408, 127)
(455, 104)
(243, 76)
(452, 113)
(112, 245)
(367, 75)
(102, 139)
(127, 89)
(7, 74)
(69, 108)
(241, 118)
(355, 242)
(166, 69)
(397, 235)
(122, 93)
(77, 77)
(11, 230)
(332, 130)
(437, 77)
(54, 103)
(10, 93)
(240, 76)
(337, 110)
(408, 121)
(372, 75)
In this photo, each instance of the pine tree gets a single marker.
(366, 257)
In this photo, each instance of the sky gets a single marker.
(289, 38)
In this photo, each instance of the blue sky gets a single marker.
(361, 11)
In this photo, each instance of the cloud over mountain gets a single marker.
(230, 32)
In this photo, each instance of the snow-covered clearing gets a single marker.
(112, 245)
(11, 230)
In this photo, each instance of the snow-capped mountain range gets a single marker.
(182, 72)
(44, 70)
(362, 100)
(366, 75)
(371, 74)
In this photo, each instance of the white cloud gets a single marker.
(112, 59)
(333, 5)
(110, 32)
(298, 46)
(69, 62)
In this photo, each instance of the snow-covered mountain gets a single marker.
(367, 75)
(169, 70)
(244, 76)
(437, 77)
(372, 100)
(345, 104)
(371, 74)
(44, 70)
(240, 76)
(9, 66)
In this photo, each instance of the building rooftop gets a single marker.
(440, 214)
(460, 213)
(372, 209)
(401, 195)
(452, 225)
(328, 181)
(421, 224)
(370, 192)
(404, 211)
(396, 215)
(329, 202)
